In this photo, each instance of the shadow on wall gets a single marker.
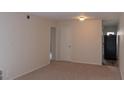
(0, 75)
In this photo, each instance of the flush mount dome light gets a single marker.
(82, 18)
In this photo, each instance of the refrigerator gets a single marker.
(110, 47)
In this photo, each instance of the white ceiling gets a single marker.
(109, 18)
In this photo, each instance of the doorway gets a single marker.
(110, 45)
(52, 44)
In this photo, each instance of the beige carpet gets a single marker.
(73, 71)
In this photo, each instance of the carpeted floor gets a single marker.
(73, 71)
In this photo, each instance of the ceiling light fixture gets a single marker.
(81, 18)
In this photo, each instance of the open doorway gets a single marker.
(110, 44)
(52, 44)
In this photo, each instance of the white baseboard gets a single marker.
(29, 71)
(75, 61)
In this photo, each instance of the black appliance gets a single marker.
(110, 47)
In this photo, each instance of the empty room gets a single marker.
(61, 45)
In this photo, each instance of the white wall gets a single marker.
(121, 45)
(80, 41)
(24, 44)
